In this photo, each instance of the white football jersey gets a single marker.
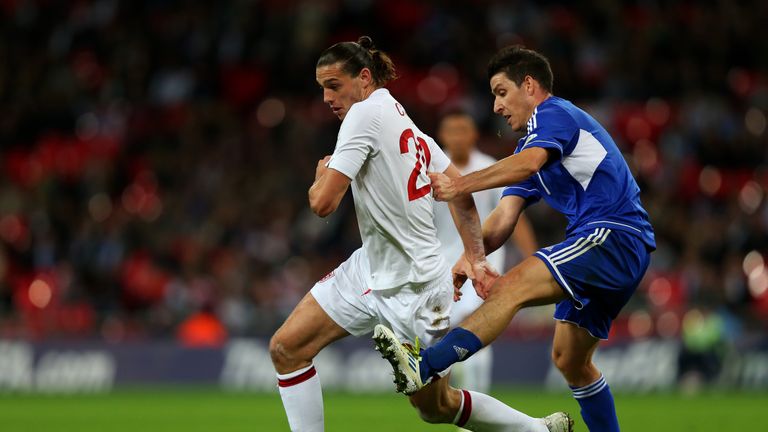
(485, 201)
(387, 158)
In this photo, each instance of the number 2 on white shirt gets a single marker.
(423, 157)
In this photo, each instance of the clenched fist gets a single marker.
(443, 187)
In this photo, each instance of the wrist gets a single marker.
(478, 258)
(459, 185)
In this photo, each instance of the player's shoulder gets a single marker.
(365, 108)
(367, 112)
(554, 112)
(556, 108)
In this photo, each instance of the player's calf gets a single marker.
(437, 402)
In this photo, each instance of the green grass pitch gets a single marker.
(211, 410)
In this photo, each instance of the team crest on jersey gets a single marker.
(529, 138)
(326, 277)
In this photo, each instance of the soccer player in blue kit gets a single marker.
(568, 159)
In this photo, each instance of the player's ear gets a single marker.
(366, 76)
(529, 84)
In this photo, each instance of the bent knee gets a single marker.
(565, 361)
(286, 354)
(277, 349)
(574, 368)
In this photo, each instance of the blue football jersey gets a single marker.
(588, 180)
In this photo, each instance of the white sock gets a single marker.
(482, 413)
(302, 399)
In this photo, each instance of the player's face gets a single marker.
(340, 90)
(458, 134)
(511, 102)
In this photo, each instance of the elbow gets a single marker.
(321, 202)
(532, 167)
(322, 211)
(321, 207)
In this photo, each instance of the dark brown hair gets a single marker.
(516, 62)
(354, 56)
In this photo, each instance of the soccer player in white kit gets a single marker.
(457, 134)
(398, 276)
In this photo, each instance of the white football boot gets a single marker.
(404, 359)
(558, 422)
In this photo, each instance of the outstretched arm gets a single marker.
(328, 189)
(467, 223)
(510, 170)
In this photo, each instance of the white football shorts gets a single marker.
(413, 310)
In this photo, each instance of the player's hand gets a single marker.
(484, 277)
(321, 166)
(460, 273)
(443, 187)
(482, 274)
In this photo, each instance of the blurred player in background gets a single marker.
(457, 133)
(571, 161)
(398, 276)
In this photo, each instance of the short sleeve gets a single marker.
(551, 128)
(526, 190)
(439, 161)
(357, 139)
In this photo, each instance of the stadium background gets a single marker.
(155, 157)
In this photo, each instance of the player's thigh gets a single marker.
(336, 306)
(306, 331)
(529, 283)
(572, 346)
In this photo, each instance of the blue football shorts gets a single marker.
(599, 270)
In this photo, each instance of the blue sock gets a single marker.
(597, 408)
(459, 344)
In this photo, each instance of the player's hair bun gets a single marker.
(365, 42)
(356, 56)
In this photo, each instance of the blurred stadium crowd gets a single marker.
(155, 155)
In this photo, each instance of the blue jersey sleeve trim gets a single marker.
(553, 143)
(531, 196)
(517, 187)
